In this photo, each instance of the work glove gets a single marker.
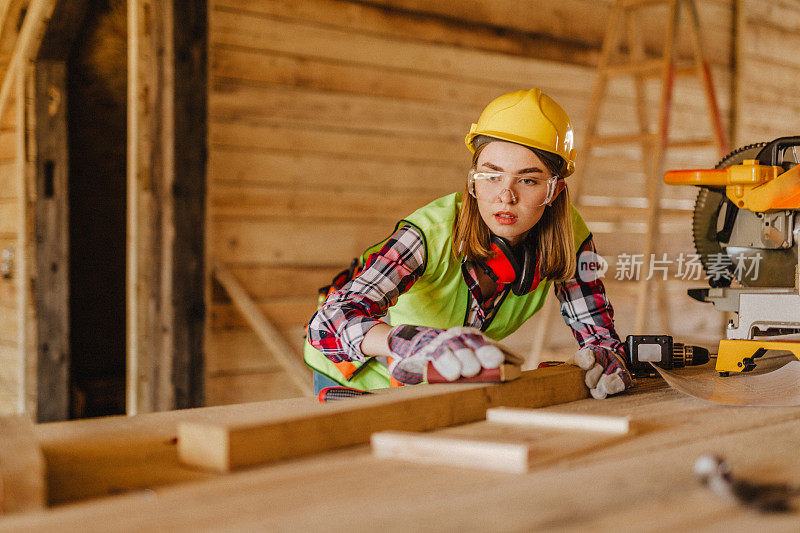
(454, 352)
(605, 371)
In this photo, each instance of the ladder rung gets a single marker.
(632, 4)
(648, 67)
(624, 139)
(687, 70)
(692, 143)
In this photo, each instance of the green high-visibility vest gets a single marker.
(440, 298)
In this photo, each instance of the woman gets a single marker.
(469, 269)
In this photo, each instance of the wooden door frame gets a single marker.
(166, 196)
(166, 273)
(46, 121)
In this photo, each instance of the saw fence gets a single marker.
(127, 472)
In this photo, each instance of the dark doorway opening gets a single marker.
(96, 125)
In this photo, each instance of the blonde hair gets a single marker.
(555, 243)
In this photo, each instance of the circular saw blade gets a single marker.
(777, 267)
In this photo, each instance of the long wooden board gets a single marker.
(256, 439)
(649, 478)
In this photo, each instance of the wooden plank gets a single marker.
(238, 29)
(8, 290)
(9, 380)
(586, 23)
(431, 449)
(766, 40)
(293, 242)
(121, 454)
(267, 107)
(292, 203)
(780, 89)
(265, 282)
(677, 430)
(232, 351)
(275, 136)
(233, 64)
(325, 43)
(22, 468)
(167, 143)
(9, 323)
(307, 170)
(282, 312)
(238, 351)
(9, 216)
(274, 243)
(26, 347)
(778, 13)
(327, 74)
(8, 121)
(189, 109)
(421, 26)
(52, 241)
(269, 335)
(256, 440)
(251, 387)
(8, 180)
(8, 146)
(110, 466)
(236, 101)
(517, 448)
(532, 417)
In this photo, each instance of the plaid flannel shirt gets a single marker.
(339, 326)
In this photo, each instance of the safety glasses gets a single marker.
(489, 185)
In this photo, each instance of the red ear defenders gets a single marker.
(521, 272)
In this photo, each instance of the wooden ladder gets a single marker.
(625, 18)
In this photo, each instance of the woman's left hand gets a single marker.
(605, 371)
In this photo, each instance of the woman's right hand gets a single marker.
(455, 352)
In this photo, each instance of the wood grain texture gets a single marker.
(51, 213)
(355, 16)
(495, 445)
(650, 472)
(260, 439)
(431, 449)
(22, 472)
(231, 387)
(365, 104)
(764, 31)
(281, 351)
(532, 417)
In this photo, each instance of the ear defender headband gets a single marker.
(523, 275)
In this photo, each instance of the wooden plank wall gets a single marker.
(9, 290)
(329, 120)
(17, 314)
(768, 92)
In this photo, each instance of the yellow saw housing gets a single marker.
(750, 186)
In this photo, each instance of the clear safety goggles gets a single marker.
(489, 185)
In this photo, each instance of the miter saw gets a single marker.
(746, 229)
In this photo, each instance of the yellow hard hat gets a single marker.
(530, 118)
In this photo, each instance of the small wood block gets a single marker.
(536, 417)
(258, 437)
(425, 448)
(22, 469)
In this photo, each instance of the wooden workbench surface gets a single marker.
(641, 482)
